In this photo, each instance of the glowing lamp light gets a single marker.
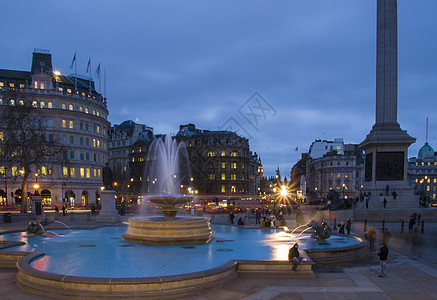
(36, 186)
(56, 72)
(284, 190)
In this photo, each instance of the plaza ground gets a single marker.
(411, 273)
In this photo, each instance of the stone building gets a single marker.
(336, 166)
(422, 174)
(76, 114)
(221, 163)
(121, 139)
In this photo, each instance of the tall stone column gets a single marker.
(386, 146)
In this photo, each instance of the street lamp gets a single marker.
(344, 186)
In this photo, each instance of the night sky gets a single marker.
(306, 69)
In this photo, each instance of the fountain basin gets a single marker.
(161, 231)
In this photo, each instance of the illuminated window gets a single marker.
(2, 170)
(80, 108)
(98, 172)
(1, 136)
(64, 124)
(14, 171)
(338, 175)
(223, 176)
(98, 143)
(434, 180)
(63, 106)
(95, 172)
(428, 180)
(417, 179)
(34, 104)
(65, 171)
(423, 164)
(82, 172)
(42, 104)
(70, 106)
(88, 173)
(21, 86)
(94, 142)
(243, 166)
(346, 175)
(223, 153)
(50, 105)
(94, 112)
(233, 189)
(223, 165)
(234, 153)
(41, 85)
(60, 89)
(69, 91)
(427, 188)
(429, 163)
(44, 170)
(35, 84)
(83, 94)
(233, 165)
(211, 176)
(72, 172)
(12, 102)
(86, 111)
(233, 176)
(71, 124)
(211, 153)
(223, 188)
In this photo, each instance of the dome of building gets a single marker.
(425, 148)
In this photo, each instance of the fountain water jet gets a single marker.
(167, 166)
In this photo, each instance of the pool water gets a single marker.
(102, 252)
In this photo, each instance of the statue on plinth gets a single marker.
(107, 177)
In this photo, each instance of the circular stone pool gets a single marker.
(103, 253)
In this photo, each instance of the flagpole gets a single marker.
(100, 80)
(104, 83)
(90, 74)
(75, 72)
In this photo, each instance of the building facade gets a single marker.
(76, 115)
(221, 163)
(422, 174)
(330, 165)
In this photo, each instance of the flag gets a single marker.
(98, 70)
(88, 65)
(74, 59)
(297, 148)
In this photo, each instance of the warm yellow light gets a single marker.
(284, 190)
(56, 72)
(102, 188)
(22, 172)
(115, 183)
(35, 186)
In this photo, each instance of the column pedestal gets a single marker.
(108, 213)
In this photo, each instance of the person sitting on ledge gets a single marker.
(294, 256)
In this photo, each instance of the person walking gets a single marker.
(341, 227)
(383, 253)
(386, 236)
(411, 223)
(385, 202)
(367, 200)
(257, 216)
(294, 256)
(348, 225)
(372, 238)
(63, 210)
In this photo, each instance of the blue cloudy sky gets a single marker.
(168, 63)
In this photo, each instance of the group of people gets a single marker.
(345, 226)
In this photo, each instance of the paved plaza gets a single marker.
(411, 272)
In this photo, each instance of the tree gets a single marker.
(26, 144)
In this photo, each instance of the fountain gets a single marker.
(167, 166)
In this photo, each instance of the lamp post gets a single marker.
(344, 186)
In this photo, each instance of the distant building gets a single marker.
(75, 113)
(330, 165)
(221, 163)
(121, 139)
(422, 173)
